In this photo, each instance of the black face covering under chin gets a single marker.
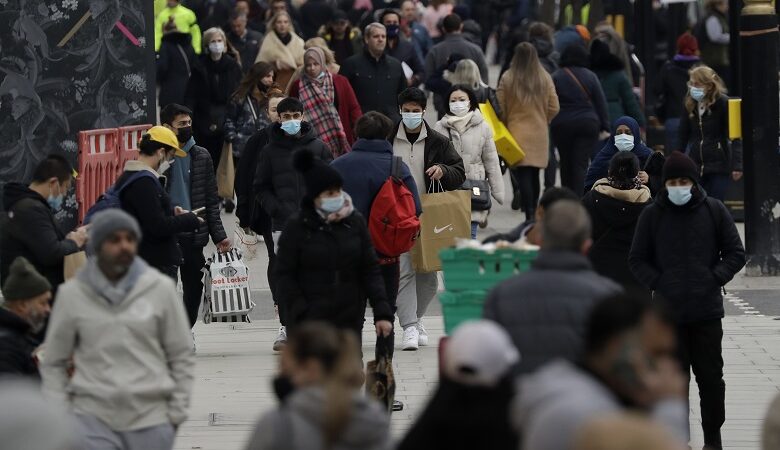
(283, 387)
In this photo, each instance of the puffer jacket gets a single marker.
(545, 310)
(614, 214)
(17, 345)
(325, 271)
(480, 159)
(203, 193)
(686, 253)
(298, 425)
(278, 185)
(707, 139)
(244, 118)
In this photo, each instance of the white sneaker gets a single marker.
(422, 332)
(281, 339)
(411, 338)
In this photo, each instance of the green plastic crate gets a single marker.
(469, 269)
(459, 307)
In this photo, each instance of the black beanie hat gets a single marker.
(24, 282)
(317, 174)
(679, 165)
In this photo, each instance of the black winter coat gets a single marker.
(707, 137)
(686, 253)
(404, 51)
(28, 229)
(672, 88)
(376, 83)
(150, 205)
(17, 345)
(203, 193)
(248, 209)
(576, 104)
(247, 47)
(439, 151)
(277, 183)
(208, 94)
(326, 271)
(614, 221)
(175, 62)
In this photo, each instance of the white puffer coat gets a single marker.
(480, 158)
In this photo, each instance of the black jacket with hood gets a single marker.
(672, 88)
(706, 135)
(28, 228)
(17, 345)
(326, 271)
(686, 253)
(278, 185)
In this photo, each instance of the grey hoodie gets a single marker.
(297, 425)
(555, 402)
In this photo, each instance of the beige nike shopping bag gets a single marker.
(446, 217)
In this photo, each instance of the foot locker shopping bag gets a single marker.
(226, 293)
(446, 217)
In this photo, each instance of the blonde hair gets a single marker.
(527, 78)
(713, 87)
(467, 73)
(210, 34)
(272, 21)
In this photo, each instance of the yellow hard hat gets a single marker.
(165, 136)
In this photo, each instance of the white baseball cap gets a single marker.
(479, 353)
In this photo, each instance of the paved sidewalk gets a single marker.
(235, 366)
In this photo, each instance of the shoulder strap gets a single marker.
(579, 83)
(134, 177)
(395, 167)
(251, 108)
(186, 60)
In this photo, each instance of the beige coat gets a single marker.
(289, 56)
(529, 124)
(480, 159)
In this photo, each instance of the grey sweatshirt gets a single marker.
(297, 425)
(556, 401)
(133, 355)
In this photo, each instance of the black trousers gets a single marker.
(699, 348)
(527, 179)
(575, 142)
(192, 278)
(391, 274)
(551, 172)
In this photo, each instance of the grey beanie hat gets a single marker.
(107, 222)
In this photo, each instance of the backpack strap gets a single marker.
(395, 167)
(135, 177)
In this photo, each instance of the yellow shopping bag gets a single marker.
(507, 146)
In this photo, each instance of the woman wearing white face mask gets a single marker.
(214, 80)
(473, 140)
(326, 266)
(704, 132)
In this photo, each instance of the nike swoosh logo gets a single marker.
(437, 230)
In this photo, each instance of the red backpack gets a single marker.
(393, 222)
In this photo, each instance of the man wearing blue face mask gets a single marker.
(400, 48)
(431, 159)
(29, 229)
(685, 248)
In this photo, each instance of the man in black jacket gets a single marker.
(246, 42)
(685, 248)
(545, 310)
(440, 163)
(401, 49)
(27, 305)
(278, 185)
(29, 229)
(376, 77)
(192, 186)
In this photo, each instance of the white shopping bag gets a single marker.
(247, 242)
(226, 294)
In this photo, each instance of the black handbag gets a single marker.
(480, 194)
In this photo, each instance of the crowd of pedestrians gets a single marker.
(318, 104)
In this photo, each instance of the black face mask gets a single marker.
(283, 387)
(184, 134)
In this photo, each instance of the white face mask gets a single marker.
(165, 164)
(460, 108)
(217, 48)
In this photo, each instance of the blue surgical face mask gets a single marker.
(55, 201)
(291, 127)
(332, 204)
(624, 142)
(412, 120)
(679, 195)
(697, 93)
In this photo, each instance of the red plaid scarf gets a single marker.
(318, 102)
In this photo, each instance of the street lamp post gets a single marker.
(759, 53)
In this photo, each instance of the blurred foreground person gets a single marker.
(124, 327)
(626, 432)
(322, 406)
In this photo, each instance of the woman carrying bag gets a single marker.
(472, 138)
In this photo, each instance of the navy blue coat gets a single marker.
(365, 170)
(599, 167)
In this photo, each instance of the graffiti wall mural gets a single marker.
(67, 66)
